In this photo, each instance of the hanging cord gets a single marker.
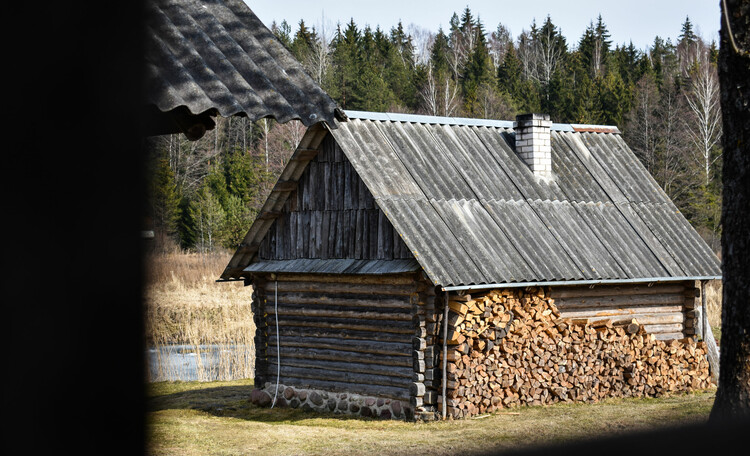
(445, 356)
(739, 51)
(278, 354)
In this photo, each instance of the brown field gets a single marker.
(185, 305)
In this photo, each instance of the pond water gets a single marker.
(197, 363)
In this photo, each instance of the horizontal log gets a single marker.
(656, 329)
(618, 311)
(336, 355)
(345, 324)
(387, 279)
(604, 290)
(650, 318)
(372, 347)
(339, 366)
(286, 331)
(311, 312)
(389, 392)
(325, 299)
(620, 301)
(339, 376)
(334, 287)
(669, 336)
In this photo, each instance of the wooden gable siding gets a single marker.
(332, 214)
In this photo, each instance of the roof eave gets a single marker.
(649, 280)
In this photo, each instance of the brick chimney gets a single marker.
(533, 142)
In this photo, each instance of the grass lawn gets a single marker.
(193, 418)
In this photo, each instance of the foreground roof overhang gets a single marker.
(216, 58)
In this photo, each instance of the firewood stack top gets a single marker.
(510, 347)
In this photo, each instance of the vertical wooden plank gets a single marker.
(332, 234)
(338, 153)
(290, 236)
(309, 176)
(345, 233)
(373, 228)
(361, 194)
(353, 186)
(306, 229)
(324, 229)
(293, 202)
(341, 167)
(365, 233)
(381, 236)
(339, 234)
(352, 229)
(347, 187)
(326, 181)
(357, 234)
(388, 238)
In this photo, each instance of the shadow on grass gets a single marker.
(711, 438)
(234, 402)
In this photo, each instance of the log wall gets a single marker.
(332, 214)
(665, 310)
(361, 334)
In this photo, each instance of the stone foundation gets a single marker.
(332, 402)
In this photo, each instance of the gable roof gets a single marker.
(472, 212)
(211, 57)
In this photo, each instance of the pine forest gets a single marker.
(665, 100)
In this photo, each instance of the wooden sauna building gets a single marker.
(384, 234)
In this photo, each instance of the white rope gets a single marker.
(278, 354)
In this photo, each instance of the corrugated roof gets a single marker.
(217, 56)
(472, 212)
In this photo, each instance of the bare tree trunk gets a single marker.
(733, 395)
(705, 129)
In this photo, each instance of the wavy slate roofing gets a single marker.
(472, 212)
(217, 56)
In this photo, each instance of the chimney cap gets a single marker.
(532, 116)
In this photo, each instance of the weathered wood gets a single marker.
(619, 301)
(395, 372)
(347, 324)
(378, 336)
(342, 376)
(664, 328)
(334, 287)
(317, 312)
(387, 279)
(336, 355)
(370, 347)
(608, 290)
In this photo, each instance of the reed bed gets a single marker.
(713, 306)
(196, 328)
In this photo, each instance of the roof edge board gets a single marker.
(578, 282)
(439, 120)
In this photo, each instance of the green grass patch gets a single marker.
(191, 418)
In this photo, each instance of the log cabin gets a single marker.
(420, 267)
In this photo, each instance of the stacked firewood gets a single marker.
(510, 347)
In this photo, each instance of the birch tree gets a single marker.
(702, 97)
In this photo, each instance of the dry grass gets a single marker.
(185, 305)
(713, 305)
(216, 418)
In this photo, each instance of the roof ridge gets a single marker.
(468, 121)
